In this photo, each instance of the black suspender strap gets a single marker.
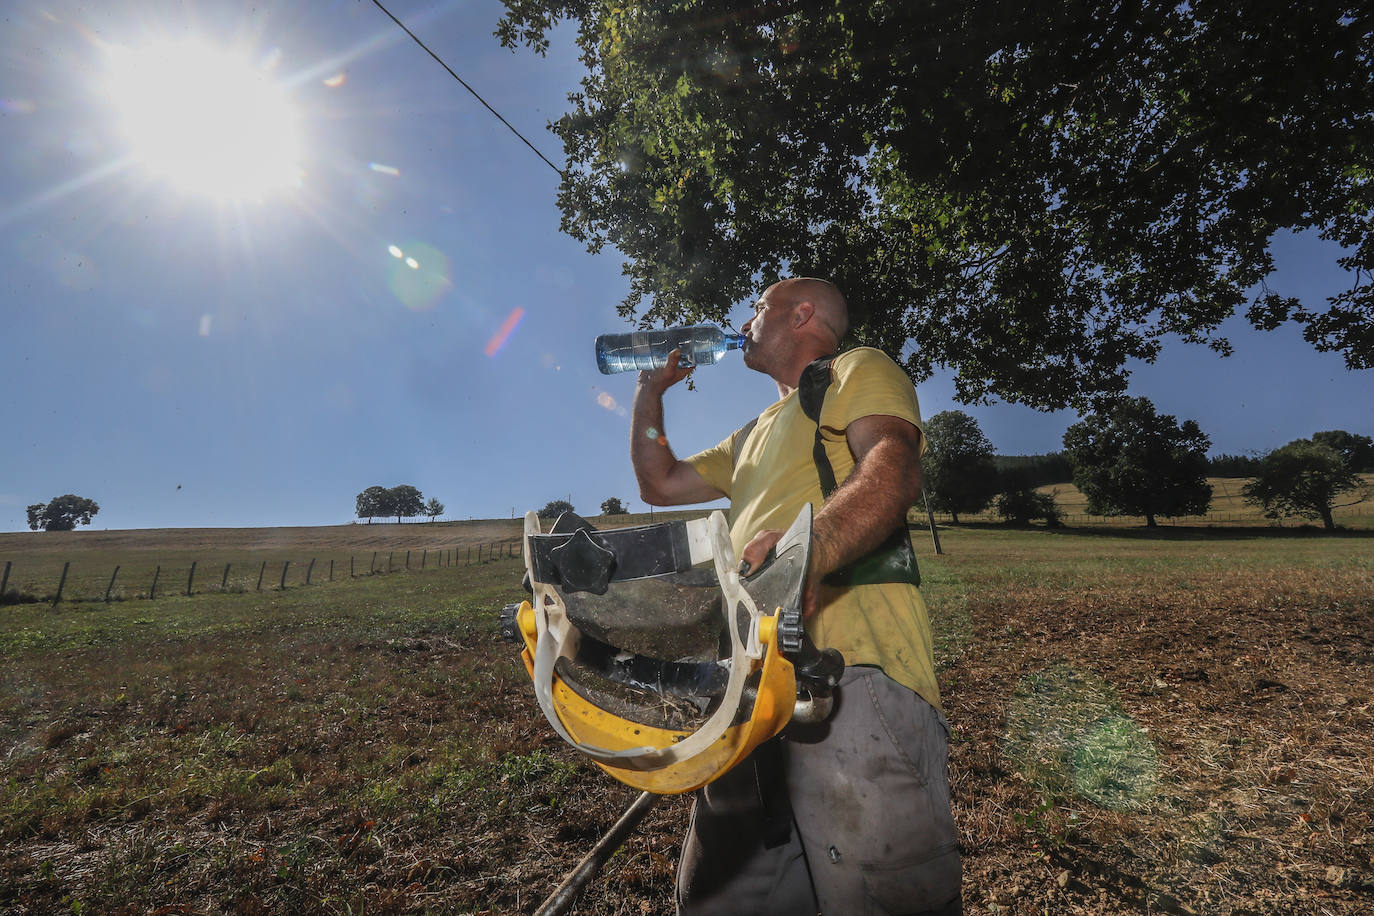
(815, 381)
(891, 561)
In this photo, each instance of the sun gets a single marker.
(206, 120)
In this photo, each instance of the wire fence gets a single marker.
(90, 578)
(1246, 519)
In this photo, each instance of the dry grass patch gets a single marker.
(1143, 723)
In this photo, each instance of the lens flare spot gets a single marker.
(503, 334)
(651, 433)
(605, 399)
(384, 169)
(337, 80)
(205, 321)
(419, 275)
(1068, 734)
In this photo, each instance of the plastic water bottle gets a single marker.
(701, 345)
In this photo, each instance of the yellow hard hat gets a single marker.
(651, 655)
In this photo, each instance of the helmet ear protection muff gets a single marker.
(653, 657)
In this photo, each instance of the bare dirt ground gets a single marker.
(1161, 723)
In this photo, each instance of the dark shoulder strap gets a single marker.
(815, 381)
(739, 438)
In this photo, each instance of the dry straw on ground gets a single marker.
(1175, 722)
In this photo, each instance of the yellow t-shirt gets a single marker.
(774, 475)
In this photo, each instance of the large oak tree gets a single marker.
(1028, 193)
(1129, 460)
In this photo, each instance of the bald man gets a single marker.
(851, 815)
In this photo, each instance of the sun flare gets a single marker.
(205, 120)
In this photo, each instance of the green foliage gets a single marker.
(372, 502)
(1019, 505)
(958, 464)
(1035, 470)
(403, 501)
(555, 508)
(1303, 478)
(406, 501)
(1037, 193)
(1233, 465)
(62, 513)
(1129, 460)
(613, 506)
(1356, 450)
(434, 509)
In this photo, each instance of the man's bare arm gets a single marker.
(871, 502)
(885, 483)
(663, 479)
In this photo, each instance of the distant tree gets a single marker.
(374, 502)
(406, 501)
(1019, 505)
(1233, 465)
(1129, 460)
(1357, 450)
(555, 508)
(958, 466)
(613, 506)
(62, 513)
(434, 509)
(1303, 478)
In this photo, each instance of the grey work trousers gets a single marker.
(871, 832)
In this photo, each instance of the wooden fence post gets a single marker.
(108, 587)
(191, 577)
(407, 559)
(284, 567)
(388, 560)
(6, 579)
(152, 592)
(331, 570)
(261, 569)
(468, 561)
(61, 582)
(424, 558)
(373, 568)
(224, 580)
(350, 566)
(930, 517)
(309, 569)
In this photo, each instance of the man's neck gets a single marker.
(788, 380)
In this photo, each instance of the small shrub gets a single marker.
(1019, 507)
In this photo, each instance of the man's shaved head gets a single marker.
(831, 309)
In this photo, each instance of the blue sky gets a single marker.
(188, 360)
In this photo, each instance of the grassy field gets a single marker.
(1173, 721)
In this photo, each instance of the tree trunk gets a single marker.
(1150, 522)
(1327, 521)
(955, 517)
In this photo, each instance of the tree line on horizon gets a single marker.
(1129, 460)
(401, 501)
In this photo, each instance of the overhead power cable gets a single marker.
(388, 12)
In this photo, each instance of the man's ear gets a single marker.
(802, 313)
